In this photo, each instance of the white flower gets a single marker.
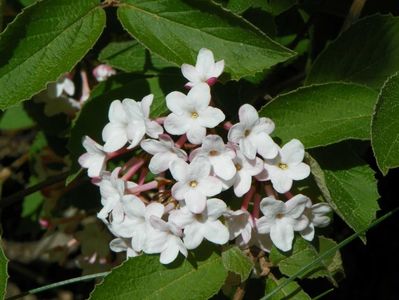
(165, 238)
(194, 183)
(317, 217)
(164, 151)
(205, 70)
(112, 190)
(287, 166)
(281, 219)
(122, 245)
(136, 222)
(239, 223)
(204, 225)
(246, 168)
(129, 122)
(252, 134)
(262, 241)
(102, 72)
(218, 155)
(94, 159)
(191, 113)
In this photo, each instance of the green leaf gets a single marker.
(176, 30)
(277, 7)
(385, 126)
(43, 42)
(3, 273)
(347, 183)
(234, 260)
(291, 291)
(144, 277)
(129, 56)
(366, 53)
(15, 118)
(322, 114)
(240, 6)
(304, 252)
(117, 87)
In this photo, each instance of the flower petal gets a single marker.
(248, 115)
(195, 134)
(298, 172)
(190, 73)
(193, 235)
(177, 125)
(293, 152)
(215, 208)
(282, 235)
(195, 201)
(210, 117)
(146, 104)
(216, 232)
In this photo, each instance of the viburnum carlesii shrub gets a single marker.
(170, 195)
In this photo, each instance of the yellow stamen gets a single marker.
(283, 166)
(194, 115)
(193, 183)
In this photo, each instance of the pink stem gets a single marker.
(85, 87)
(180, 142)
(247, 198)
(227, 125)
(133, 169)
(255, 211)
(117, 153)
(142, 176)
(289, 195)
(160, 121)
(270, 192)
(142, 188)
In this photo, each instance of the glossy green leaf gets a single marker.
(117, 88)
(144, 277)
(291, 291)
(130, 56)
(15, 118)
(367, 53)
(3, 273)
(43, 42)
(322, 114)
(347, 183)
(240, 6)
(234, 260)
(385, 126)
(304, 252)
(176, 30)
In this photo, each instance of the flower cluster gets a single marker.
(167, 198)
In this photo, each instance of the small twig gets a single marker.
(7, 201)
(354, 13)
(240, 291)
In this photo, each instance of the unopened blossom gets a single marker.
(136, 222)
(164, 153)
(194, 183)
(205, 70)
(122, 245)
(129, 122)
(252, 134)
(245, 170)
(94, 159)
(205, 225)
(102, 72)
(317, 215)
(165, 238)
(220, 156)
(239, 223)
(61, 86)
(287, 166)
(281, 219)
(191, 113)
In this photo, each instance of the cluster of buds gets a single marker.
(190, 166)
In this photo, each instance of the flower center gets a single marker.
(194, 115)
(247, 132)
(213, 152)
(193, 183)
(238, 167)
(283, 166)
(279, 216)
